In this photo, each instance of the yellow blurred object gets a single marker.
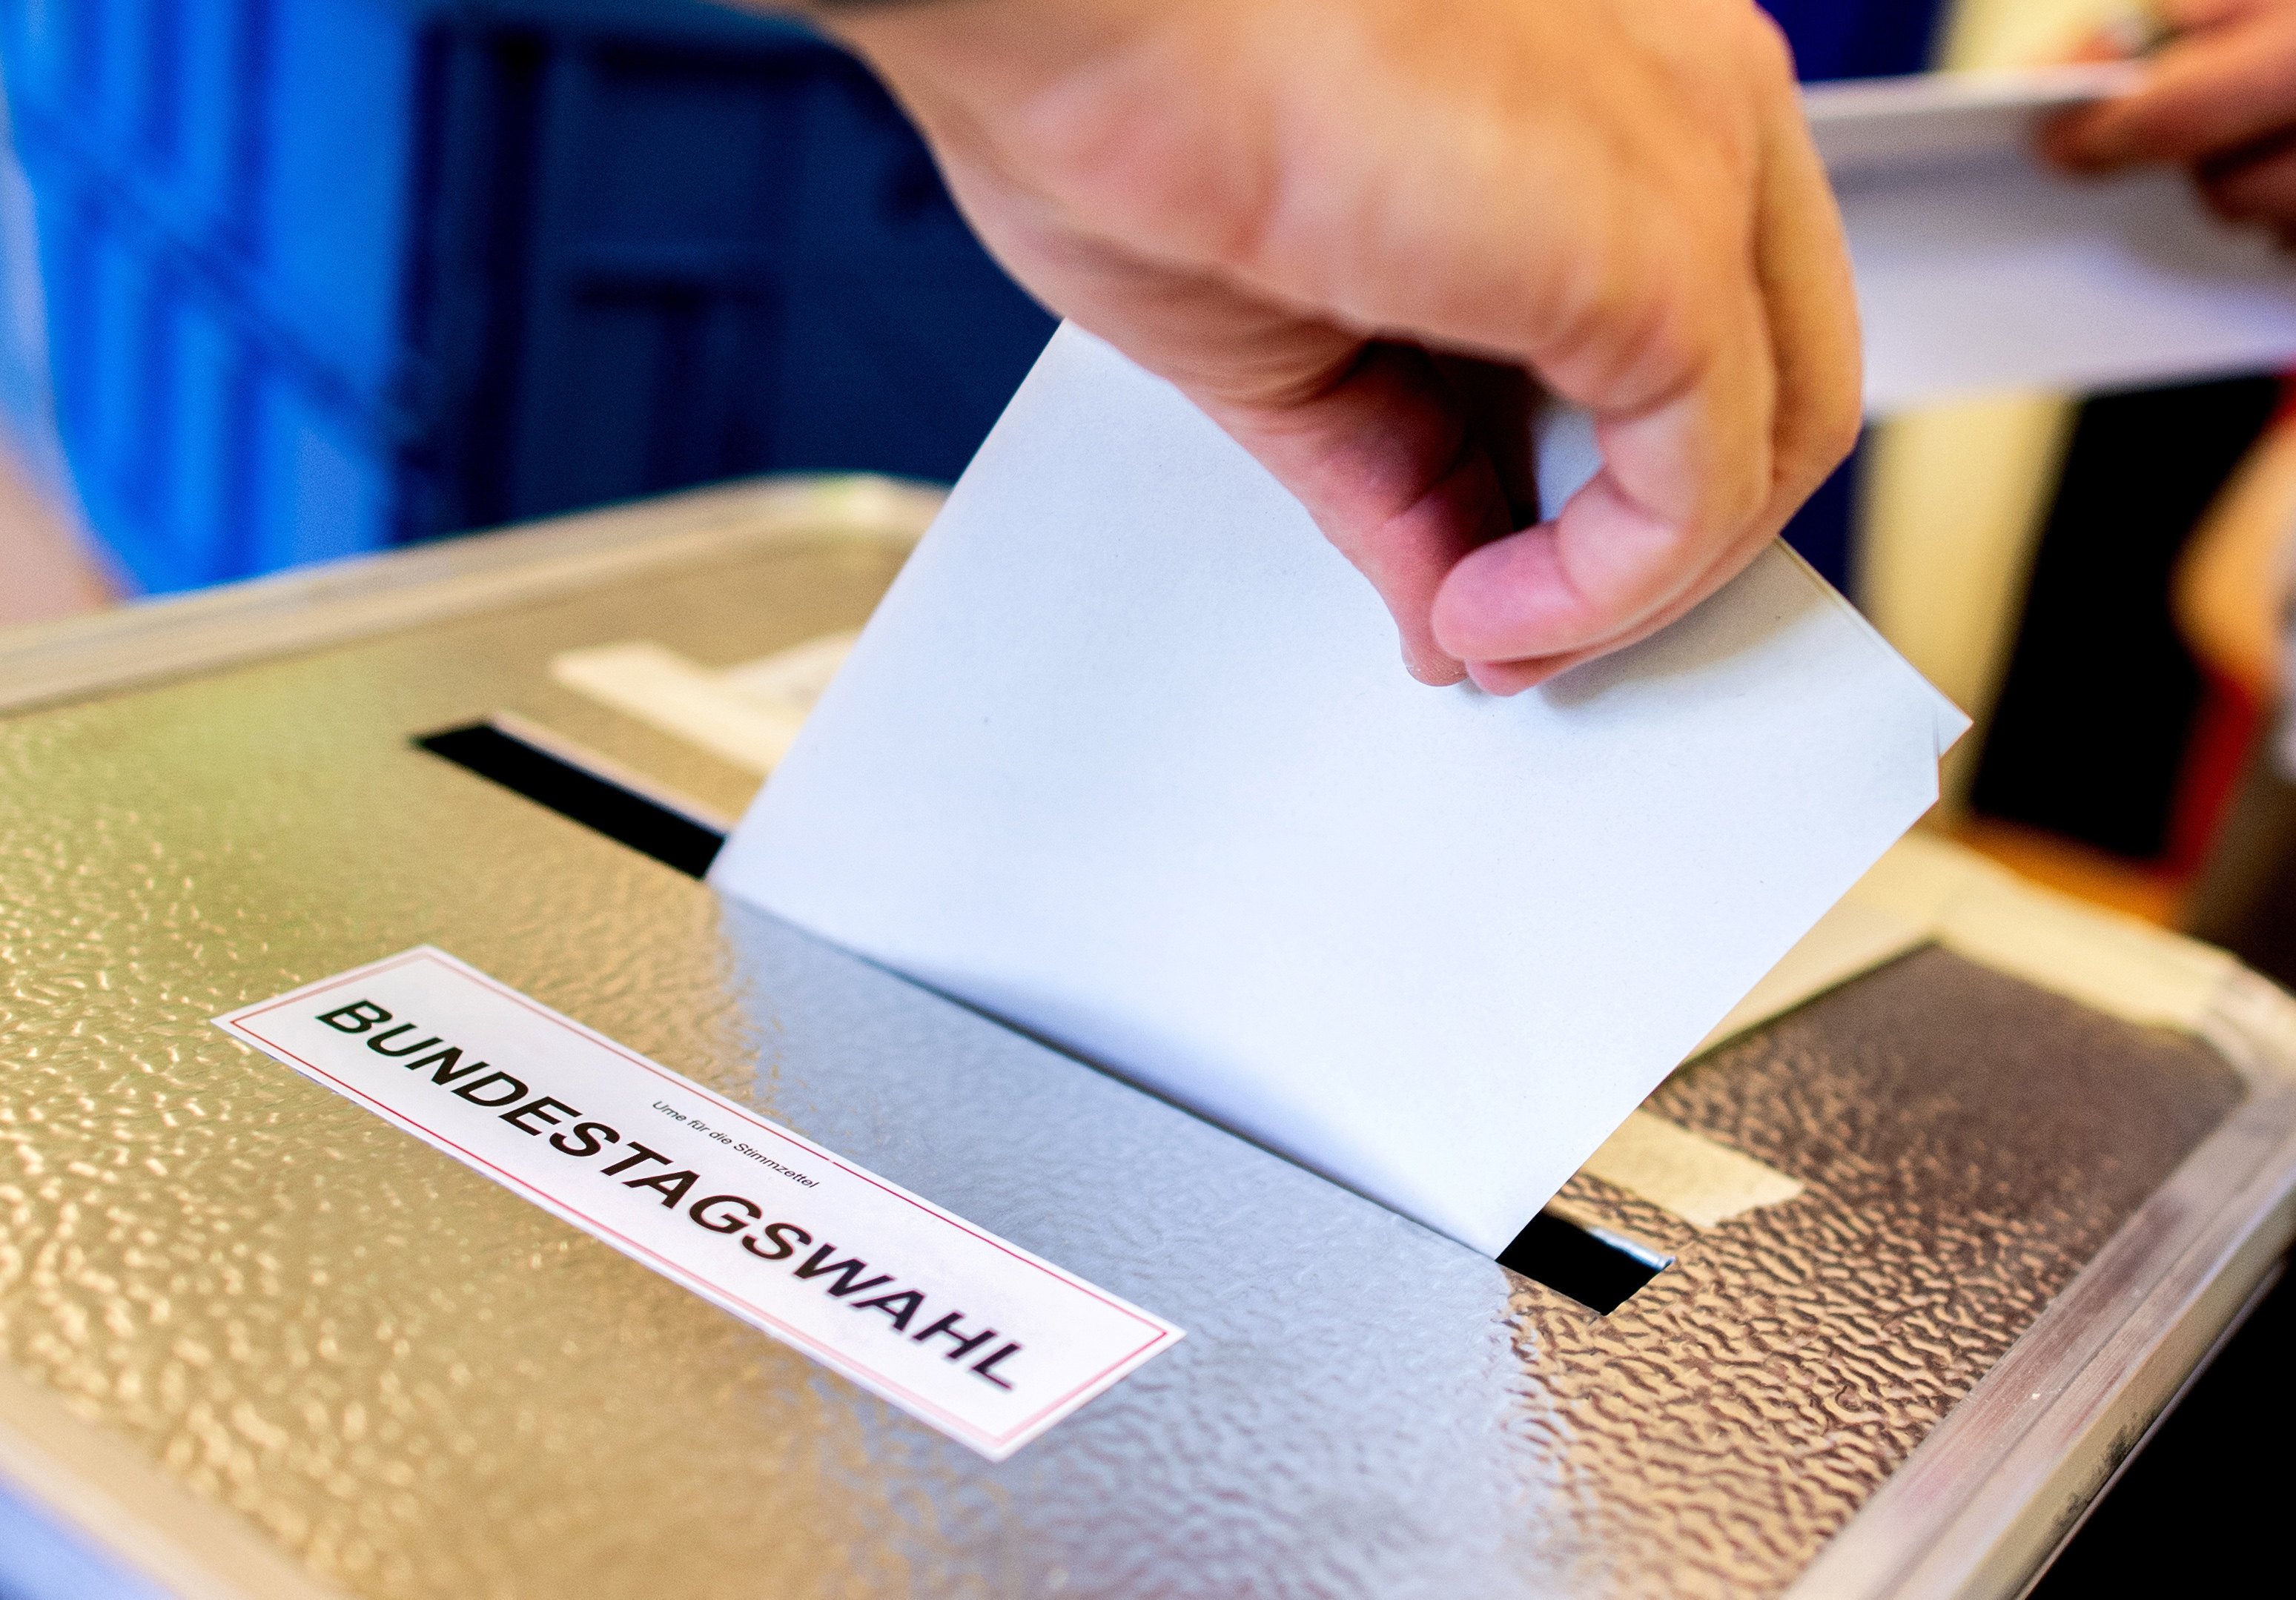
(1953, 496)
(1953, 505)
(2029, 33)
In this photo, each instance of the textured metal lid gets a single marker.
(411, 1383)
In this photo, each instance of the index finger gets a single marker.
(1802, 266)
(1679, 482)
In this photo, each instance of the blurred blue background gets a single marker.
(323, 276)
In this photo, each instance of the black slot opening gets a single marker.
(1592, 1265)
(647, 825)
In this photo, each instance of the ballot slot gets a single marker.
(550, 772)
(1600, 1269)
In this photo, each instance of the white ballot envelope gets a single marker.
(1127, 758)
(1980, 268)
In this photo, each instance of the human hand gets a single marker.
(2218, 98)
(1358, 231)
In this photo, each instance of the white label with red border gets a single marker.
(975, 1336)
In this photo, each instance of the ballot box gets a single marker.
(1900, 1274)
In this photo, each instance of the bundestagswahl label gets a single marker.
(962, 1329)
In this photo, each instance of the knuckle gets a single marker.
(1841, 421)
(1818, 439)
(1768, 50)
(1648, 336)
(1746, 496)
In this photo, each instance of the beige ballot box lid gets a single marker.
(1903, 1263)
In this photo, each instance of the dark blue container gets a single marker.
(1857, 38)
(325, 275)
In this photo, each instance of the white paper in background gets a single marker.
(1981, 269)
(1127, 757)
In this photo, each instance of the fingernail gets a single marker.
(1436, 672)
